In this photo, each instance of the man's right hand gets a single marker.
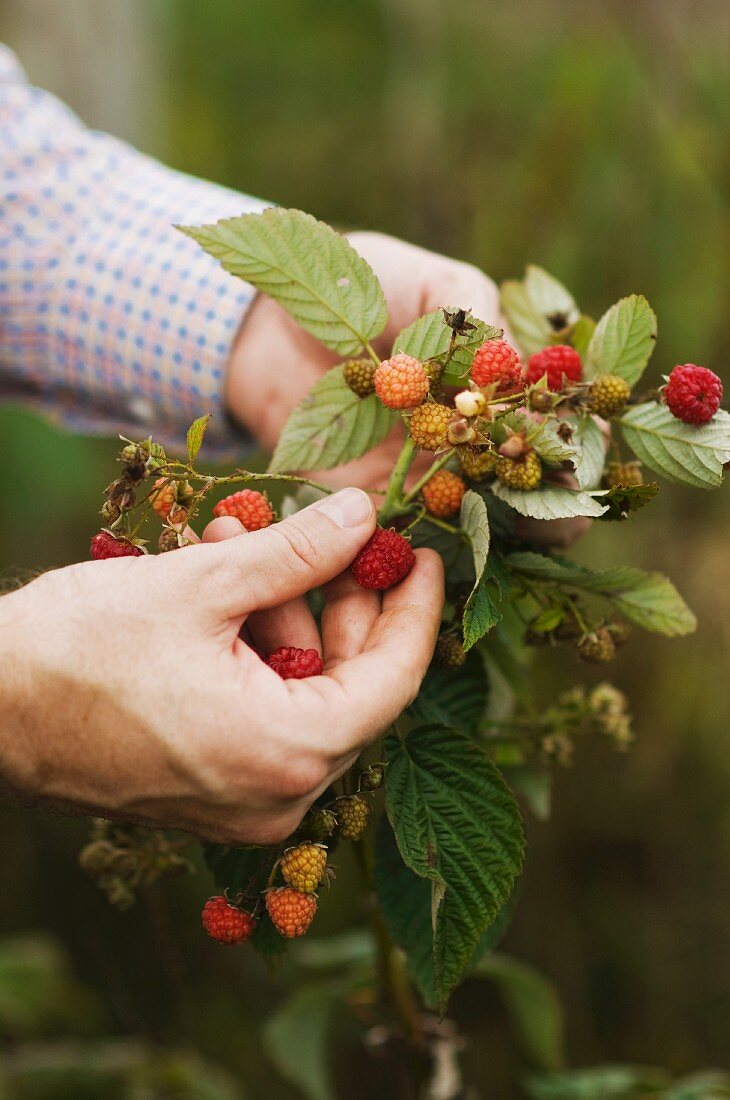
(127, 692)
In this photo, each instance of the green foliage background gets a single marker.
(587, 137)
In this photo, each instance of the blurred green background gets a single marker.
(591, 138)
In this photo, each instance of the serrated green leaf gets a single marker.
(687, 453)
(598, 1083)
(550, 501)
(429, 337)
(453, 697)
(537, 309)
(481, 611)
(455, 552)
(311, 270)
(458, 825)
(331, 426)
(648, 599)
(195, 435)
(622, 500)
(475, 525)
(550, 298)
(296, 1039)
(590, 448)
(581, 333)
(533, 1006)
(623, 341)
(542, 434)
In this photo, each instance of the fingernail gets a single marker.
(348, 508)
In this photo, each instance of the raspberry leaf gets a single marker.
(196, 433)
(481, 611)
(456, 824)
(454, 700)
(332, 425)
(681, 452)
(649, 599)
(312, 271)
(550, 501)
(622, 500)
(623, 341)
(538, 308)
(429, 337)
(296, 1038)
(590, 453)
(533, 1005)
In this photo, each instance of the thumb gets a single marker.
(266, 568)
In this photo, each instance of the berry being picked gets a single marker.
(449, 652)
(523, 473)
(693, 394)
(597, 648)
(226, 923)
(295, 664)
(304, 867)
(105, 545)
(359, 375)
(560, 364)
(609, 395)
(497, 364)
(477, 465)
(250, 508)
(429, 424)
(443, 494)
(401, 382)
(291, 911)
(372, 778)
(353, 816)
(385, 559)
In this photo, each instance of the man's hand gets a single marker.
(127, 691)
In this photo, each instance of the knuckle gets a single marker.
(301, 544)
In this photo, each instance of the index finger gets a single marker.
(379, 683)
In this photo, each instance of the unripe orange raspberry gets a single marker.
(353, 816)
(359, 375)
(524, 473)
(304, 867)
(162, 497)
(443, 494)
(429, 424)
(477, 465)
(291, 911)
(401, 382)
(609, 395)
(250, 508)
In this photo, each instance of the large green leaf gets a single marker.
(458, 825)
(454, 698)
(550, 501)
(686, 453)
(295, 1038)
(533, 1006)
(481, 611)
(430, 336)
(331, 426)
(648, 599)
(623, 340)
(536, 308)
(311, 270)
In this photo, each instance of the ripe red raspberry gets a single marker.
(385, 559)
(304, 866)
(401, 382)
(443, 494)
(250, 508)
(105, 545)
(693, 394)
(225, 923)
(428, 425)
(561, 364)
(290, 910)
(497, 364)
(295, 664)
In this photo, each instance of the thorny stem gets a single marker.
(393, 503)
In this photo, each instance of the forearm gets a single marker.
(111, 319)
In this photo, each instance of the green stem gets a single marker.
(393, 503)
